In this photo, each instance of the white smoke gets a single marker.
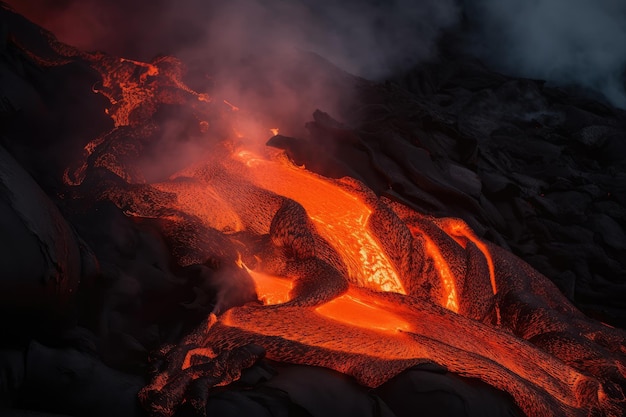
(566, 42)
(365, 37)
(576, 42)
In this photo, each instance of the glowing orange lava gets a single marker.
(373, 323)
(270, 289)
(356, 311)
(458, 229)
(450, 299)
(340, 217)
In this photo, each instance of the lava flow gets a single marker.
(347, 280)
(340, 217)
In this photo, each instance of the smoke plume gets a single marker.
(567, 42)
(369, 38)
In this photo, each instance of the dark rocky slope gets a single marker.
(535, 169)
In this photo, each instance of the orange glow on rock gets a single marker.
(542, 384)
(203, 202)
(367, 326)
(458, 228)
(354, 311)
(151, 70)
(204, 352)
(339, 215)
(248, 157)
(270, 289)
(449, 299)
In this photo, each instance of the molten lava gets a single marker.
(340, 216)
(352, 310)
(447, 278)
(347, 280)
(270, 289)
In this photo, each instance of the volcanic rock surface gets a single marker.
(537, 170)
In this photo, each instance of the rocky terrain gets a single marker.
(87, 292)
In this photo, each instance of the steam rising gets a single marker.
(577, 42)
(369, 38)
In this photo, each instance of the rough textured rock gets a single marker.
(41, 262)
(532, 168)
